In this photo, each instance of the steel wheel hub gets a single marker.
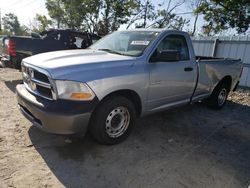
(222, 96)
(117, 122)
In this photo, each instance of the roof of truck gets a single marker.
(147, 29)
(154, 30)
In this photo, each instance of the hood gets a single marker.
(65, 58)
(73, 64)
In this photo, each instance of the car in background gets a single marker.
(13, 49)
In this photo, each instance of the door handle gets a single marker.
(188, 69)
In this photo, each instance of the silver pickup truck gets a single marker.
(125, 75)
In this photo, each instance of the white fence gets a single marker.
(228, 47)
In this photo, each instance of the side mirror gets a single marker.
(166, 56)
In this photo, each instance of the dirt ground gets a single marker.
(191, 146)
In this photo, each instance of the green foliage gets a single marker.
(221, 15)
(105, 16)
(25, 31)
(55, 10)
(92, 15)
(101, 16)
(114, 13)
(42, 23)
(166, 19)
(146, 13)
(160, 16)
(11, 25)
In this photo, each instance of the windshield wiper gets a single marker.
(110, 51)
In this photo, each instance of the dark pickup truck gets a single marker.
(13, 49)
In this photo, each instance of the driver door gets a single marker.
(171, 82)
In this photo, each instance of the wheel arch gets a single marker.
(130, 95)
(226, 80)
(213, 100)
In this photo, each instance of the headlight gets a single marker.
(71, 90)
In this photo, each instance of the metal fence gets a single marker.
(228, 47)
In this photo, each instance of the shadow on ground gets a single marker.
(187, 147)
(12, 84)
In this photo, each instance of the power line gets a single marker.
(12, 4)
(19, 7)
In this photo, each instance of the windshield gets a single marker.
(130, 43)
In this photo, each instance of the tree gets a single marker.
(161, 16)
(25, 31)
(166, 18)
(179, 23)
(74, 13)
(105, 16)
(11, 24)
(55, 10)
(101, 16)
(193, 5)
(147, 13)
(41, 23)
(92, 16)
(67, 13)
(221, 15)
(116, 12)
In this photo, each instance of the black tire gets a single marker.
(218, 98)
(113, 110)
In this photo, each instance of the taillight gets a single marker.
(12, 48)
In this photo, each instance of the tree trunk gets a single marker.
(145, 15)
(195, 24)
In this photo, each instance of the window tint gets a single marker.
(175, 42)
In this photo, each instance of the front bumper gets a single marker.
(59, 117)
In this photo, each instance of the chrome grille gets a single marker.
(37, 82)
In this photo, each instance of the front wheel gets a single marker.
(113, 120)
(219, 97)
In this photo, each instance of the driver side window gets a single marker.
(175, 43)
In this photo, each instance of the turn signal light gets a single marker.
(80, 96)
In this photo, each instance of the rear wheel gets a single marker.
(113, 120)
(219, 97)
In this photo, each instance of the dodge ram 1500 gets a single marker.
(124, 75)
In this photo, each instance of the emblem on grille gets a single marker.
(31, 72)
(28, 78)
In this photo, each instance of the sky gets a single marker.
(27, 9)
